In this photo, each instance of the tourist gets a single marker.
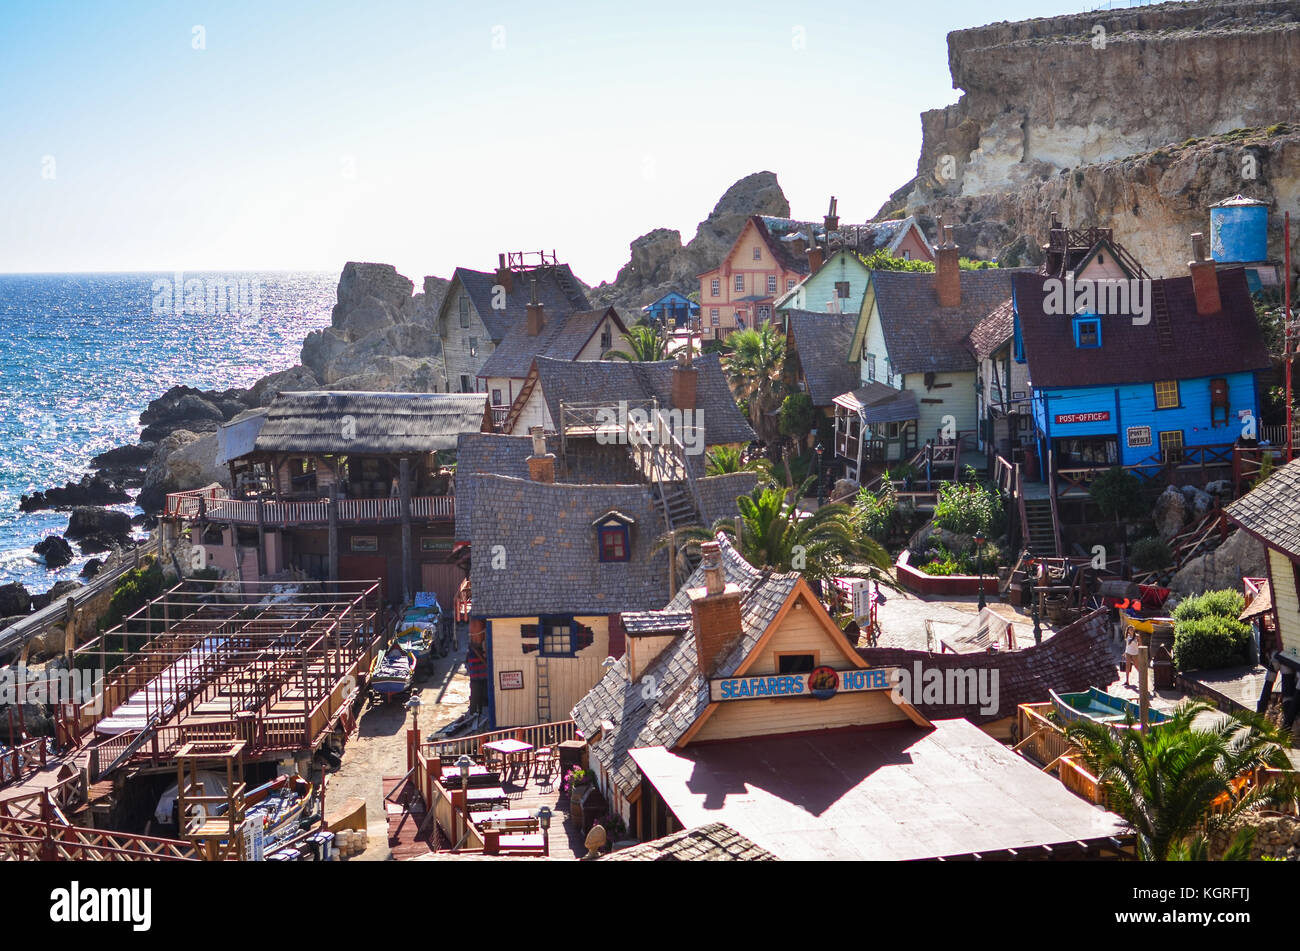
(1130, 655)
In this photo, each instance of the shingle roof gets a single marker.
(593, 381)
(823, 342)
(718, 493)
(548, 560)
(682, 694)
(1272, 511)
(877, 403)
(923, 337)
(490, 453)
(1228, 342)
(557, 289)
(656, 623)
(380, 423)
(715, 842)
(771, 229)
(563, 336)
(993, 331)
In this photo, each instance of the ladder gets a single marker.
(543, 690)
(1164, 328)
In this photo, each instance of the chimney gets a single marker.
(816, 258)
(541, 464)
(505, 277)
(1205, 279)
(536, 314)
(715, 613)
(685, 380)
(832, 220)
(947, 270)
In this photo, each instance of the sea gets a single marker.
(84, 354)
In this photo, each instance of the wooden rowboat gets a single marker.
(392, 673)
(1097, 706)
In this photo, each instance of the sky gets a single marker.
(238, 135)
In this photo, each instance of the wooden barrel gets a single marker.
(1162, 657)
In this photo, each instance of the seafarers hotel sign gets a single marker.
(821, 683)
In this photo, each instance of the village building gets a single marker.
(674, 310)
(741, 702)
(820, 359)
(482, 307)
(338, 486)
(916, 381)
(761, 265)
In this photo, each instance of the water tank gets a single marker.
(1239, 230)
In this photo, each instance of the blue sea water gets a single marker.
(84, 354)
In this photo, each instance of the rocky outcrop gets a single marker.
(14, 600)
(124, 465)
(1068, 115)
(182, 461)
(293, 380)
(1239, 557)
(659, 261)
(91, 490)
(98, 529)
(54, 551)
(183, 407)
(381, 334)
(58, 592)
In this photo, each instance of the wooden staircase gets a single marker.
(517, 407)
(1041, 532)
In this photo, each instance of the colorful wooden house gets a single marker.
(761, 266)
(674, 310)
(820, 359)
(1271, 513)
(1167, 380)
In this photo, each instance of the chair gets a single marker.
(543, 761)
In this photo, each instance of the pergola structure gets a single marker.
(271, 665)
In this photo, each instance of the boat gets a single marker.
(392, 673)
(416, 638)
(280, 805)
(1098, 706)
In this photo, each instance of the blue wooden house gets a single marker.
(1168, 386)
(672, 310)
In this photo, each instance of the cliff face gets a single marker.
(661, 263)
(1087, 115)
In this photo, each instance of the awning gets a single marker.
(878, 403)
(1262, 603)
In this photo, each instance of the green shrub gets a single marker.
(797, 415)
(1118, 494)
(968, 509)
(1151, 554)
(133, 591)
(1226, 603)
(1207, 634)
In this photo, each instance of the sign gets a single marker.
(1066, 418)
(365, 543)
(254, 842)
(1018, 394)
(511, 679)
(816, 683)
(435, 544)
(1138, 436)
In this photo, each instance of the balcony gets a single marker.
(215, 505)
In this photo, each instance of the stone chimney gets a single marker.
(816, 258)
(536, 314)
(686, 375)
(1205, 279)
(947, 270)
(715, 613)
(832, 220)
(541, 464)
(505, 277)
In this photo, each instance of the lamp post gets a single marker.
(544, 819)
(1031, 568)
(979, 561)
(463, 764)
(821, 494)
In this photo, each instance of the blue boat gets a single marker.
(1098, 706)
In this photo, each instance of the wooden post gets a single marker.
(1144, 693)
(333, 533)
(261, 541)
(404, 488)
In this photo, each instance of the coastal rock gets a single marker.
(394, 375)
(125, 464)
(87, 521)
(182, 461)
(1239, 557)
(15, 601)
(91, 568)
(183, 407)
(91, 490)
(58, 592)
(294, 379)
(1170, 513)
(55, 550)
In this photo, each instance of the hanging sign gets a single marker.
(1066, 418)
(822, 683)
(1138, 436)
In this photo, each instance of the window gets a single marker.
(871, 366)
(496, 397)
(740, 283)
(464, 311)
(795, 663)
(473, 346)
(614, 543)
(555, 636)
(1167, 394)
(606, 338)
(764, 313)
(1171, 447)
(907, 255)
(771, 283)
(758, 253)
(464, 384)
(715, 287)
(789, 283)
(1087, 333)
(842, 290)
(713, 316)
(889, 371)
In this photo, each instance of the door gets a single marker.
(443, 580)
(365, 568)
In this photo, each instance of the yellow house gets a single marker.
(1271, 514)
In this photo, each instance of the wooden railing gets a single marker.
(1040, 738)
(216, 507)
(542, 734)
(62, 797)
(45, 841)
(18, 761)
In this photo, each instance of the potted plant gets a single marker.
(576, 783)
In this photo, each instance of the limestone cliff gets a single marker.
(1135, 119)
(661, 263)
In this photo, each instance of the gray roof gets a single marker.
(994, 331)
(656, 623)
(375, 423)
(718, 494)
(557, 289)
(563, 336)
(1272, 512)
(594, 381)
(823, 342)
(875, 402)
(715, 842)
(490, 453)
(683, 693)
(552, 564)
(923, 337)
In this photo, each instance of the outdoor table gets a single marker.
(512, 752)
(503, 815)
(487, 794)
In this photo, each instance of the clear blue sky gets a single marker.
(429, 135)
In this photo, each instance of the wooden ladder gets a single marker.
(517, 407)
(1160, 307)
(543, 690)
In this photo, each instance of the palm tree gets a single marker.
(1164, 779)
(645, 343)
(756, 367)
(724, 460)
(772, 533)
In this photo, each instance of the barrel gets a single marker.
(1162, 657)
(1239, 230)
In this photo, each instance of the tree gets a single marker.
(643, 344)
(724, 460)
(755, 367)
(772, 533)
(1165, 779)
(797, 415)
(1118, 493)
